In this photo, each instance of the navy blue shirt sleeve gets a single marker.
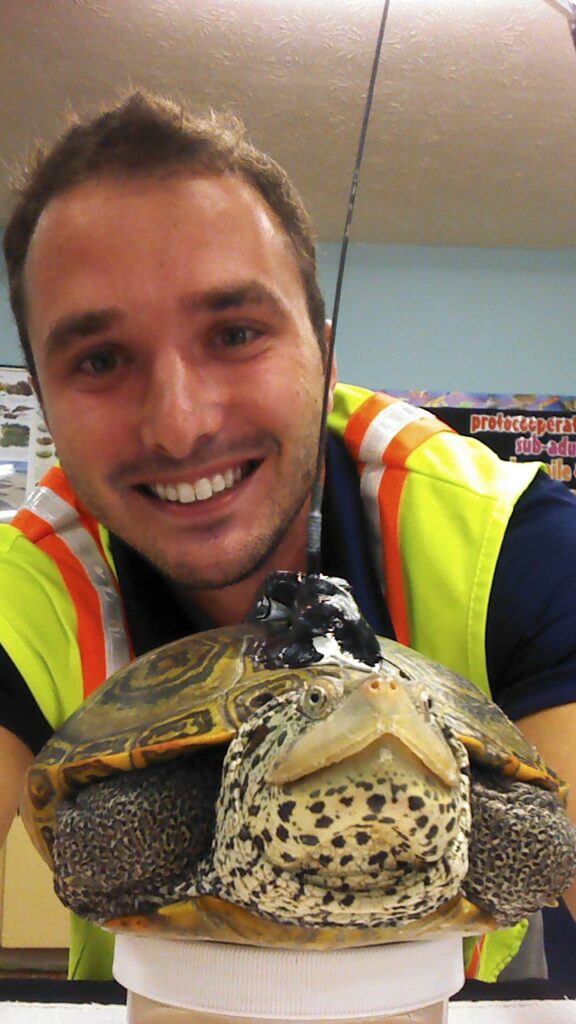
(531, 627)
(19, 711)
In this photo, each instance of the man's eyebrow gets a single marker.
(223, 297)
(79, 325)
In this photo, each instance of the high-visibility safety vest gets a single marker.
(437, 506)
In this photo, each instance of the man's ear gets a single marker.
(333, 368)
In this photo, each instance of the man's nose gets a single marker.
(182, 406)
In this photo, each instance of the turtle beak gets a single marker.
(377, 708)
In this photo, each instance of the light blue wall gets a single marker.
(9, 347)
(456, 319)
(440, 318)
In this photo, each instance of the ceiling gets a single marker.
(472, 139)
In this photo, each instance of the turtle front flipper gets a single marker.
(522, 847)
(125, 844)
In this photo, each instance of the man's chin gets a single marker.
(193, 576)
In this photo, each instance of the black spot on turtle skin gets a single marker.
(308, 840)
(378, 859)
(324, 821)
(326, 860)
(416, 803)
(282, 833)
(327, 898)
(364, 784)
(346, 859)
(450, 825)
(339, 842)
(346, 801)
(422, 821)
(286, 809)
(396, 789)
(348, 900)
(376, 802)
(432, 832)
(362, 838)
(317, 807)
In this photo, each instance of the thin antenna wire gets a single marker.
(315, 516)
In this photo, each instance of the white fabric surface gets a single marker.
(529, 1012)
(291, 984)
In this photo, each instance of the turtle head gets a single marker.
(313, 618)
(340, 791)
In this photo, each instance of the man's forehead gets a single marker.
(148, 214)
(94, 229)
(213, 192)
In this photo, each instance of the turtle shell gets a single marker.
(487, 733)
(198, 691)
(191, 693)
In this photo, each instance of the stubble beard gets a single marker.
(258, 552)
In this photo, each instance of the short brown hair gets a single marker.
(146, 135)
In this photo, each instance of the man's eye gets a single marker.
(236, 336)
(99, 363)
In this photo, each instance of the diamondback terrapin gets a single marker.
(299, 782)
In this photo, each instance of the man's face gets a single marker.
(179, 372)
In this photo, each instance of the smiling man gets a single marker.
(163, 280)
(167, 316)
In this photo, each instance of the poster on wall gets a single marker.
(26, 447)
(518, 427)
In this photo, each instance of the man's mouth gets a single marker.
(185, 492)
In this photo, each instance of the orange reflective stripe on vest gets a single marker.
(52, 518)
(381, 435)
(473, 965)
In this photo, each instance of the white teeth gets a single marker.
(201, 490)
(186, 493)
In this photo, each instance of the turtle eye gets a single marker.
(315, 701)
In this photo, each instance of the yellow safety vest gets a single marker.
(433, 500)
